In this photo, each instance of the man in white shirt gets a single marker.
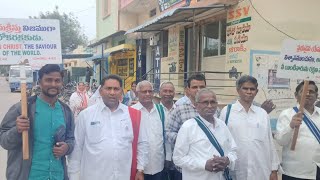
(298, 164)
(183, 113)
(250, 128)
(167, 93)
(153, 124)
(194, 153)
(104, 136)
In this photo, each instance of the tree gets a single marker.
(70, 29)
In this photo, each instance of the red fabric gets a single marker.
(83, 96)
(135, 116)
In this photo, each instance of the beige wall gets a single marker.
(130, 18)
(127, 21)
(109, 24)
(261, 55)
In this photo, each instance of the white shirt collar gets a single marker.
(102, 107)
(139, 106)
(173, 107)
(316, 109)
(239, 107)
(207, 123)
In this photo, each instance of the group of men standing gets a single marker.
(148, 141)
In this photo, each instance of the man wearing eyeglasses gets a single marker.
(194, 152)
(150, 117)
(183, 113)
(250, 127)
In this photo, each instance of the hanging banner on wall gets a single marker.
(300, 60)
(30, 41)
(239, 27)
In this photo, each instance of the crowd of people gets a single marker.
(115, 136)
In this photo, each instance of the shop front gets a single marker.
(122, 61)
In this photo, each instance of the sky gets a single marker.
(84, 10)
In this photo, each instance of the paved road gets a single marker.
(7, 99)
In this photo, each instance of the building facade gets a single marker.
(230, 37)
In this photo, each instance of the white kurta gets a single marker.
(154, 129)
(298, 163)
(103, 148)
(257, 156)
(193, 149)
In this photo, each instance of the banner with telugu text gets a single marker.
(33, 41)
(300, 60)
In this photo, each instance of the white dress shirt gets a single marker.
(168, 145)
(193, 149)
(154, 129)
(256, 153)
(103, 148)
(298, 163)
(316, 157)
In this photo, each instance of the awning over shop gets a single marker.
(105, 39)
(76, 56)
(98, 56)
(176, 15)
(122, 47)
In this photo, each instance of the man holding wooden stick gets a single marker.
(50, 125)
(298, 164)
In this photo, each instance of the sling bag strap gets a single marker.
(162, 117)
(228, 113)
(214, 142)
(313, 128)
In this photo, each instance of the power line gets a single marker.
(270, 23)
(83, 10)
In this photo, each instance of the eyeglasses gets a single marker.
(208, 102)
(146, 92)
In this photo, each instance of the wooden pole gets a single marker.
(301, 109)
(24, 112)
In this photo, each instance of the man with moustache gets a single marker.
(183, 113)
(104, 139)
(150, 116)
(250, 128)
(167, 93)
(299, 164)
(47, 115)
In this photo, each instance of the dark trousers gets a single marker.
(177, 175)
(158, 176)
(285, 177)
(170, 175)
(318, 173)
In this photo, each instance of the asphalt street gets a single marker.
(7, 99)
